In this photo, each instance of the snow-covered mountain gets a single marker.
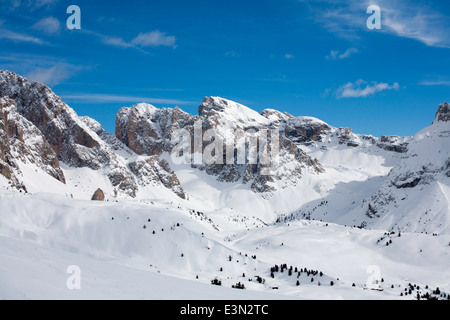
(325, 186)
(416, 194)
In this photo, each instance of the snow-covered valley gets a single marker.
(139, 251)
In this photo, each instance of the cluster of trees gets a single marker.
(260, 280)
(202, 217)
(238, 286)
(216, 282)
(291, 270)
(388, 235)
(436, 294)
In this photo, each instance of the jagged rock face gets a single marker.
(221, 115)
(146, 172)
(443, 113)
(58, 133)
(304, 129)
(276, 116)
(148, 130)
(6, 161)
(107, 137)
(393, 143)
(26, 142)
(311, 131)
(57, 122)
(154, 170)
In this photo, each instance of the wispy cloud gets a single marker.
(154, 39)
(435, 83)
(149, 39)
(49, 25)
(419, 23)
(337, 55)
(362, 89)
(116, 42)
(12, 5)
(54, 75)
(19, 37)
(111, 98)
(289, 56)
(347, 18)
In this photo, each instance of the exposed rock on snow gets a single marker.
(98, 195)
(21, 140)
(443, 113)
(155, 170)
(275, 115)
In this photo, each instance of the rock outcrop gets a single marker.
(24, 142)
(98, 195)
(443, 113)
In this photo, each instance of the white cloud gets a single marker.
(19, 37)
(154, 39)
(418, 23)
(117, 42)
(54, 75)
(435, 83)
(49, 25)
(150, 39)
(289, 56)
(111, 98)
(362, 89)
(337, 55)
(347, 18)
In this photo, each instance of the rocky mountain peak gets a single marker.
(212, 104)
(275, 115)
(38, 128)
(443, 113)
(226, 113)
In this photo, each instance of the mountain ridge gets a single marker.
(315, 160)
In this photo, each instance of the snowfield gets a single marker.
(128, 250)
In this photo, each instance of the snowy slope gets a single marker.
(119, 258)
(415, 196)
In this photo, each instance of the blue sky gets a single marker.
(308, 58)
